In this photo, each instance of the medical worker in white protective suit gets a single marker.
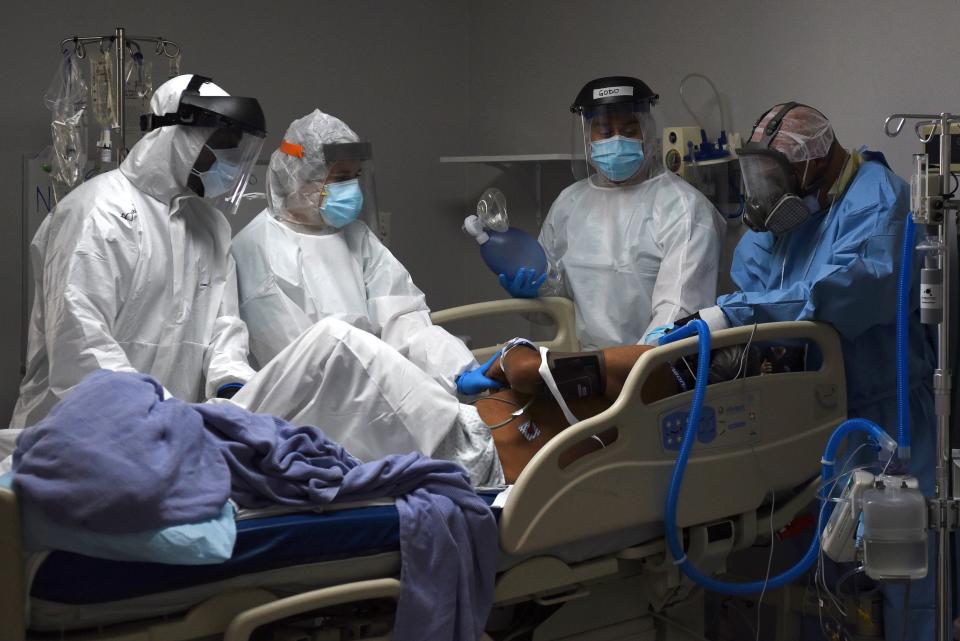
(311, 254)
(633, 245)
(134, 273)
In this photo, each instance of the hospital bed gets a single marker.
(582, 550)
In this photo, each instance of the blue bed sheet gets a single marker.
(262, 544)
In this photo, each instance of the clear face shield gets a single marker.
(332, 200)
(223, 167)
(773, 199)
(614, 144)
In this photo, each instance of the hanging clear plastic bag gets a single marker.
(66, 98)
(101, 78)
(174, 65)
(139, 80)
(67, 92)
(70, 149)
(138, 90)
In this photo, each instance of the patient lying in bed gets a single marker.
(518, 436)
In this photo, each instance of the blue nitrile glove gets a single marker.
(525, 283)
(475, 381)
(228, 390)
(655, 334)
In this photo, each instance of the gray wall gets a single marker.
(437, 77)
(395, 71)
(857, 60)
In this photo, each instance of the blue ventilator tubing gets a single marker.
(505, 252)
(828, 462)
(903, 334)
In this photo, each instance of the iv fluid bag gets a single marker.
(101, 80)
(507, 251)
(66, 99)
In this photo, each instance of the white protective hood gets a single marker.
(160, 163)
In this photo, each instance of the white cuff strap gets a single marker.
(547, 377)
(714, 318)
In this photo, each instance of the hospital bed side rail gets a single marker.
(757, 434)
(559, 310)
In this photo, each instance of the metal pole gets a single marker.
(941, 389)
(538, 184)
(121, 101)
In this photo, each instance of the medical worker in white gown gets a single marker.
(311, 254)
(634, 246)
(133, 273)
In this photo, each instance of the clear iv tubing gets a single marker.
(674, 542)
(903, 333)
(716, 93)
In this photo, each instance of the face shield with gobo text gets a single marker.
(614, 135)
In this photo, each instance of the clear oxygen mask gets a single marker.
(504, 249)
(492, 210)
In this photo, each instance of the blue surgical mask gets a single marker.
(617, 158)
(219, 179)
(343, 203)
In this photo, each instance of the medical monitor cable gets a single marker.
(513, 415)
(819, 575)
(773, 505)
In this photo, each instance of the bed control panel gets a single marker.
(723, 423)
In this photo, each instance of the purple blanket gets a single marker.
(112, 458)
(448, 536)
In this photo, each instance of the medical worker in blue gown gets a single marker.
(827, 227)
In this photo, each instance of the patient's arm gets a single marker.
(520, 372)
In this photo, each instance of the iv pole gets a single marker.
(938, 212)
(120, 39)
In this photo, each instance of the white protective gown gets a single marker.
(633, 258)
(290, 279)
(133, 273)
